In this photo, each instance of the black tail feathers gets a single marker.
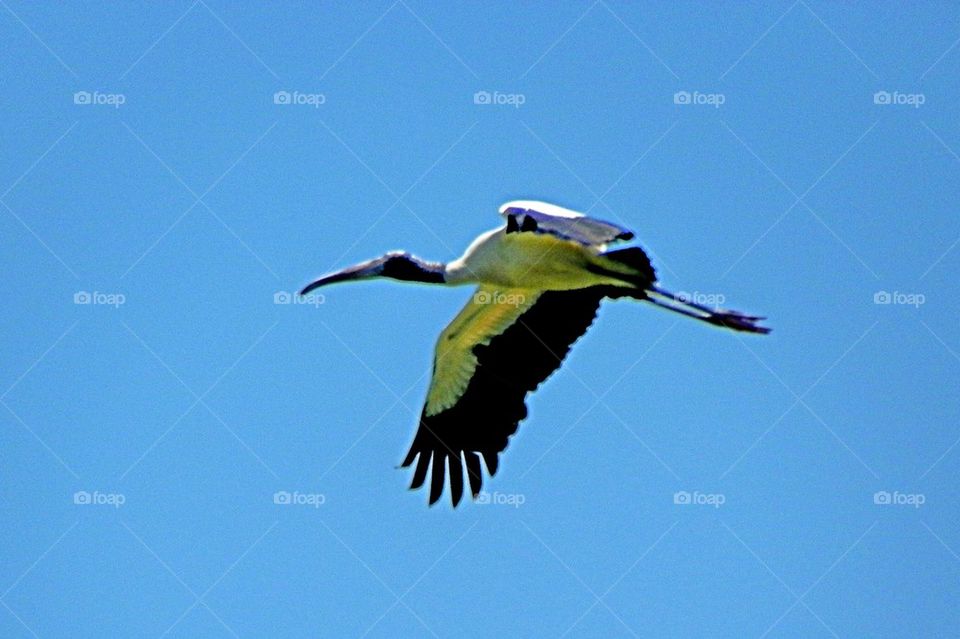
(644, 288)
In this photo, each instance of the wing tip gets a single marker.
(435, 464)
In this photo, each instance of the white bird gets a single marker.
(541, 279)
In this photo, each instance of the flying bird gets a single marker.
(541, 277)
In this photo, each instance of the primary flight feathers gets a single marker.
(541, 278)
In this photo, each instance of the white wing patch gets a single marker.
(564, 223)
(489, 312)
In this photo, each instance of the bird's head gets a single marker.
(396, 265)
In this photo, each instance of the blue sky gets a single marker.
(160, 198)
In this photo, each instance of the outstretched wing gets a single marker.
(541, 217)
(494, 352)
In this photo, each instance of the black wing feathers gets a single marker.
(487, 414)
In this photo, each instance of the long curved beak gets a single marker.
(364, 270)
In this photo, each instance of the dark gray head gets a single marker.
(396, 265)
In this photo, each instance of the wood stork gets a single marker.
(541, 279)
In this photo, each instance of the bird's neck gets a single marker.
(457, 272)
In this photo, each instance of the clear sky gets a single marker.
(170, 171)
